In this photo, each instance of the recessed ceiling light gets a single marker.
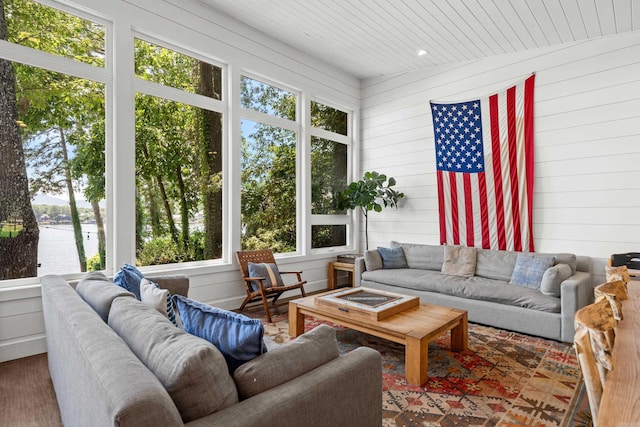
(421, 52)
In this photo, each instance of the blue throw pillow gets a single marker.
(129, 278)
(392, 257)
(238, 337)
(529, 270)
(269, 271)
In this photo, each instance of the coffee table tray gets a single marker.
(365, 303)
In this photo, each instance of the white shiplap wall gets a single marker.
(241, 49)
(587, 143)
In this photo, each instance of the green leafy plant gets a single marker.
(372, 193)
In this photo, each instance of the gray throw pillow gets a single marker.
(459, 261)
(529, 269)
(553, 278)
(392, 257)
(286, 362)
(192, 370)
(99, 292)
(372, 260)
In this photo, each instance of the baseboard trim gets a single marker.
(23, 347)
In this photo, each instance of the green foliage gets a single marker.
(370, 194)
(163, 250)
(93, 263)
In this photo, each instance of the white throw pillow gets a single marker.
(158, 298)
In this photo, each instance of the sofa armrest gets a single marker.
(97, 379)
(575, 293)
(359, 268)
(176, 284)
(346, 391)
(286, 362)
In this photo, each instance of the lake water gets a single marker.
(57, 253)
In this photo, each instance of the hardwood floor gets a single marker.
(27, 395)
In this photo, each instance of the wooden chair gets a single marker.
(257, 287)
(593, 342)
(614, 292)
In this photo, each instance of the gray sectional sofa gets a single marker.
(115, 361)
(487, 293)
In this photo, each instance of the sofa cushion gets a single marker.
(529, 269)
(372, 260)
(392, 257)
(193, 371)
(476, 287)
(459, 261)
(553, 278)
(286, 362)
(238, 337)
(129, 278)
(424, 257)
(158, 298)
(493, 264)
(99, 292)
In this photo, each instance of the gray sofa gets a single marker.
(487, 294)
(100, 380)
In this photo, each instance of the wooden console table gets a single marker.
(620, 404)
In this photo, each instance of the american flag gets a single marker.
(484, 164)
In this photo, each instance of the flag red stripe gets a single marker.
(513, 166)
(497, 169)
(528, 147)
(441, 212)
(454, 208)
(468, 207)
(484, 210)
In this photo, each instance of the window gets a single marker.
(53, 31)
(58, 146)
(329, 173)
(268, 167)
(178, 159)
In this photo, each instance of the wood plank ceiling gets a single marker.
(369, 38)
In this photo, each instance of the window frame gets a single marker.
(348, 218)
(291, 125)
(149, 88)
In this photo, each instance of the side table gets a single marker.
(334, 267)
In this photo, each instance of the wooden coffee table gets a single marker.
(414, 328)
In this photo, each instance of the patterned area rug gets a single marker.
(504, 379)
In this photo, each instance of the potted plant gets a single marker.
(371, 193)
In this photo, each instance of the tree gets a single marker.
(370, 194)
(211, 160)
(19, 233)
(57, 108)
